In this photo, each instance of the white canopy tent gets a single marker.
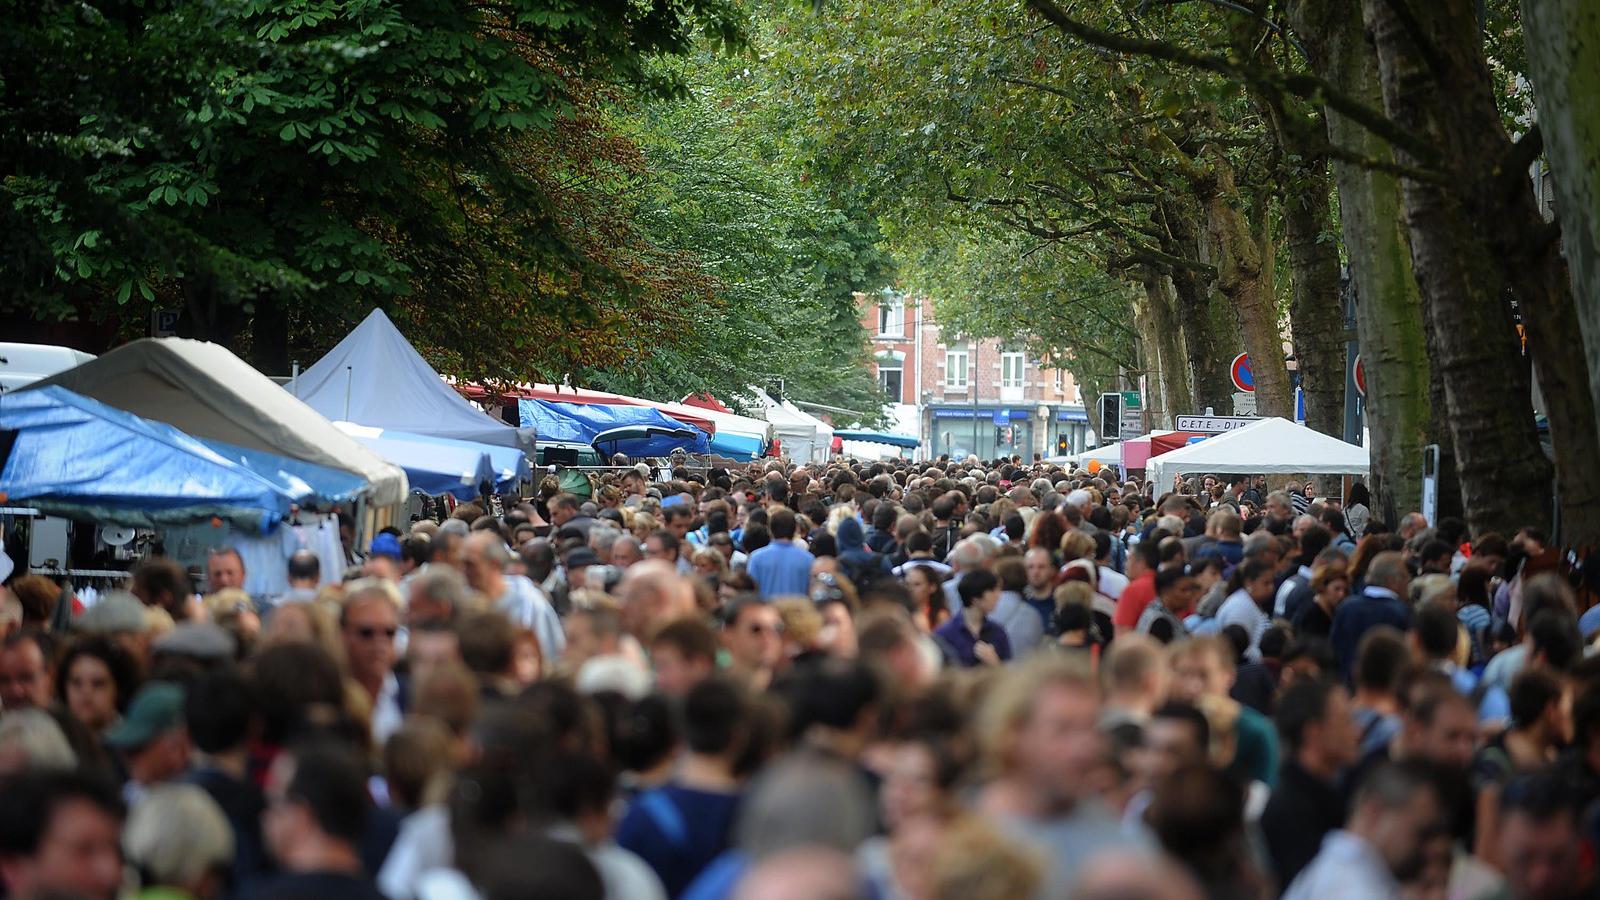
(1268, 447)
(823, 448)
(795, 429)
(376, 378)
(1107, 455)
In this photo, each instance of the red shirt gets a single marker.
(1135, 597)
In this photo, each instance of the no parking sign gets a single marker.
(1243, 378)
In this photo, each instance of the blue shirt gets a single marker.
(1356, 616)
(959, 641)
(678, 831)
(780, 569)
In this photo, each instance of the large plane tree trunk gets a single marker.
(1394, 349)
(1504, 474)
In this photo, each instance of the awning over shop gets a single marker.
(73, 456)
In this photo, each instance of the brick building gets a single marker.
(961, 396)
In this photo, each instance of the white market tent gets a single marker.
(791, 426)
(1107, 455)
(1269, 447)
(204, 390)
(823, 447)
(374, 377)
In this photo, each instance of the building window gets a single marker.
(955, 370)
(891, 317)
(890, 380)
(1012, 366)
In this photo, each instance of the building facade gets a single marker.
(990, 398)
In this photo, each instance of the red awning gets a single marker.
(1166, 443)
(706, 401)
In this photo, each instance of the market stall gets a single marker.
(78, 458)
(205, 391)
(374, 377)
(458, 468)
(869, 438)
(1269, 447)
(579, 423)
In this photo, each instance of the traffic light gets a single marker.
(1110, 418)
(1063, 445)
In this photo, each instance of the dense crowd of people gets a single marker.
(865, 679)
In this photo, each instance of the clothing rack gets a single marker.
(80, 573)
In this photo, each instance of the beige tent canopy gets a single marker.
(204, 390)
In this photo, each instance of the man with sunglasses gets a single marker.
(752, 633)
(368, 622)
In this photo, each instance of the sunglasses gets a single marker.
(367, 632)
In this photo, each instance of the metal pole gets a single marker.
(349, 376)
(294, 379)
(972, 379)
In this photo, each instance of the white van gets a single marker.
(22, 364)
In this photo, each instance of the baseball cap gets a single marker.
(385, 545)
(157, 708)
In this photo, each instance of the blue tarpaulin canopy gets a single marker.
(879, 437)
(77, 457)
(579, 423)
(458, 468)
(508, 467)
(735, 446)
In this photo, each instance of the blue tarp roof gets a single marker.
(879, 437)
(77, 457)
(447, 463)
(458, 468)
(578, 423)
(740, 447)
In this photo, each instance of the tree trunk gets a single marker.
(1243, 277)
(1563, 43)
(1394, 350)
(1504, 474)
(1316, 314)
(1175, 396)
(1208, 358)
(1149, 359)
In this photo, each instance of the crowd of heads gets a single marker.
(926, 680)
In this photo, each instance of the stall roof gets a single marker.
(879, 437)
(579, 423)
(376, 378)
(699, 418)
(1271, 446)
(431, 468)
(205, 391)
(74, 456)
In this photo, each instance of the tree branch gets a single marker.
(1306, 86)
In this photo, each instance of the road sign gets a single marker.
(1132, 400)
(1243, 378)
(1361, 376)
(1212, 424)
(1244, 403)
(163, 322)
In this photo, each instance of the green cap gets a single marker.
(157, 708)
